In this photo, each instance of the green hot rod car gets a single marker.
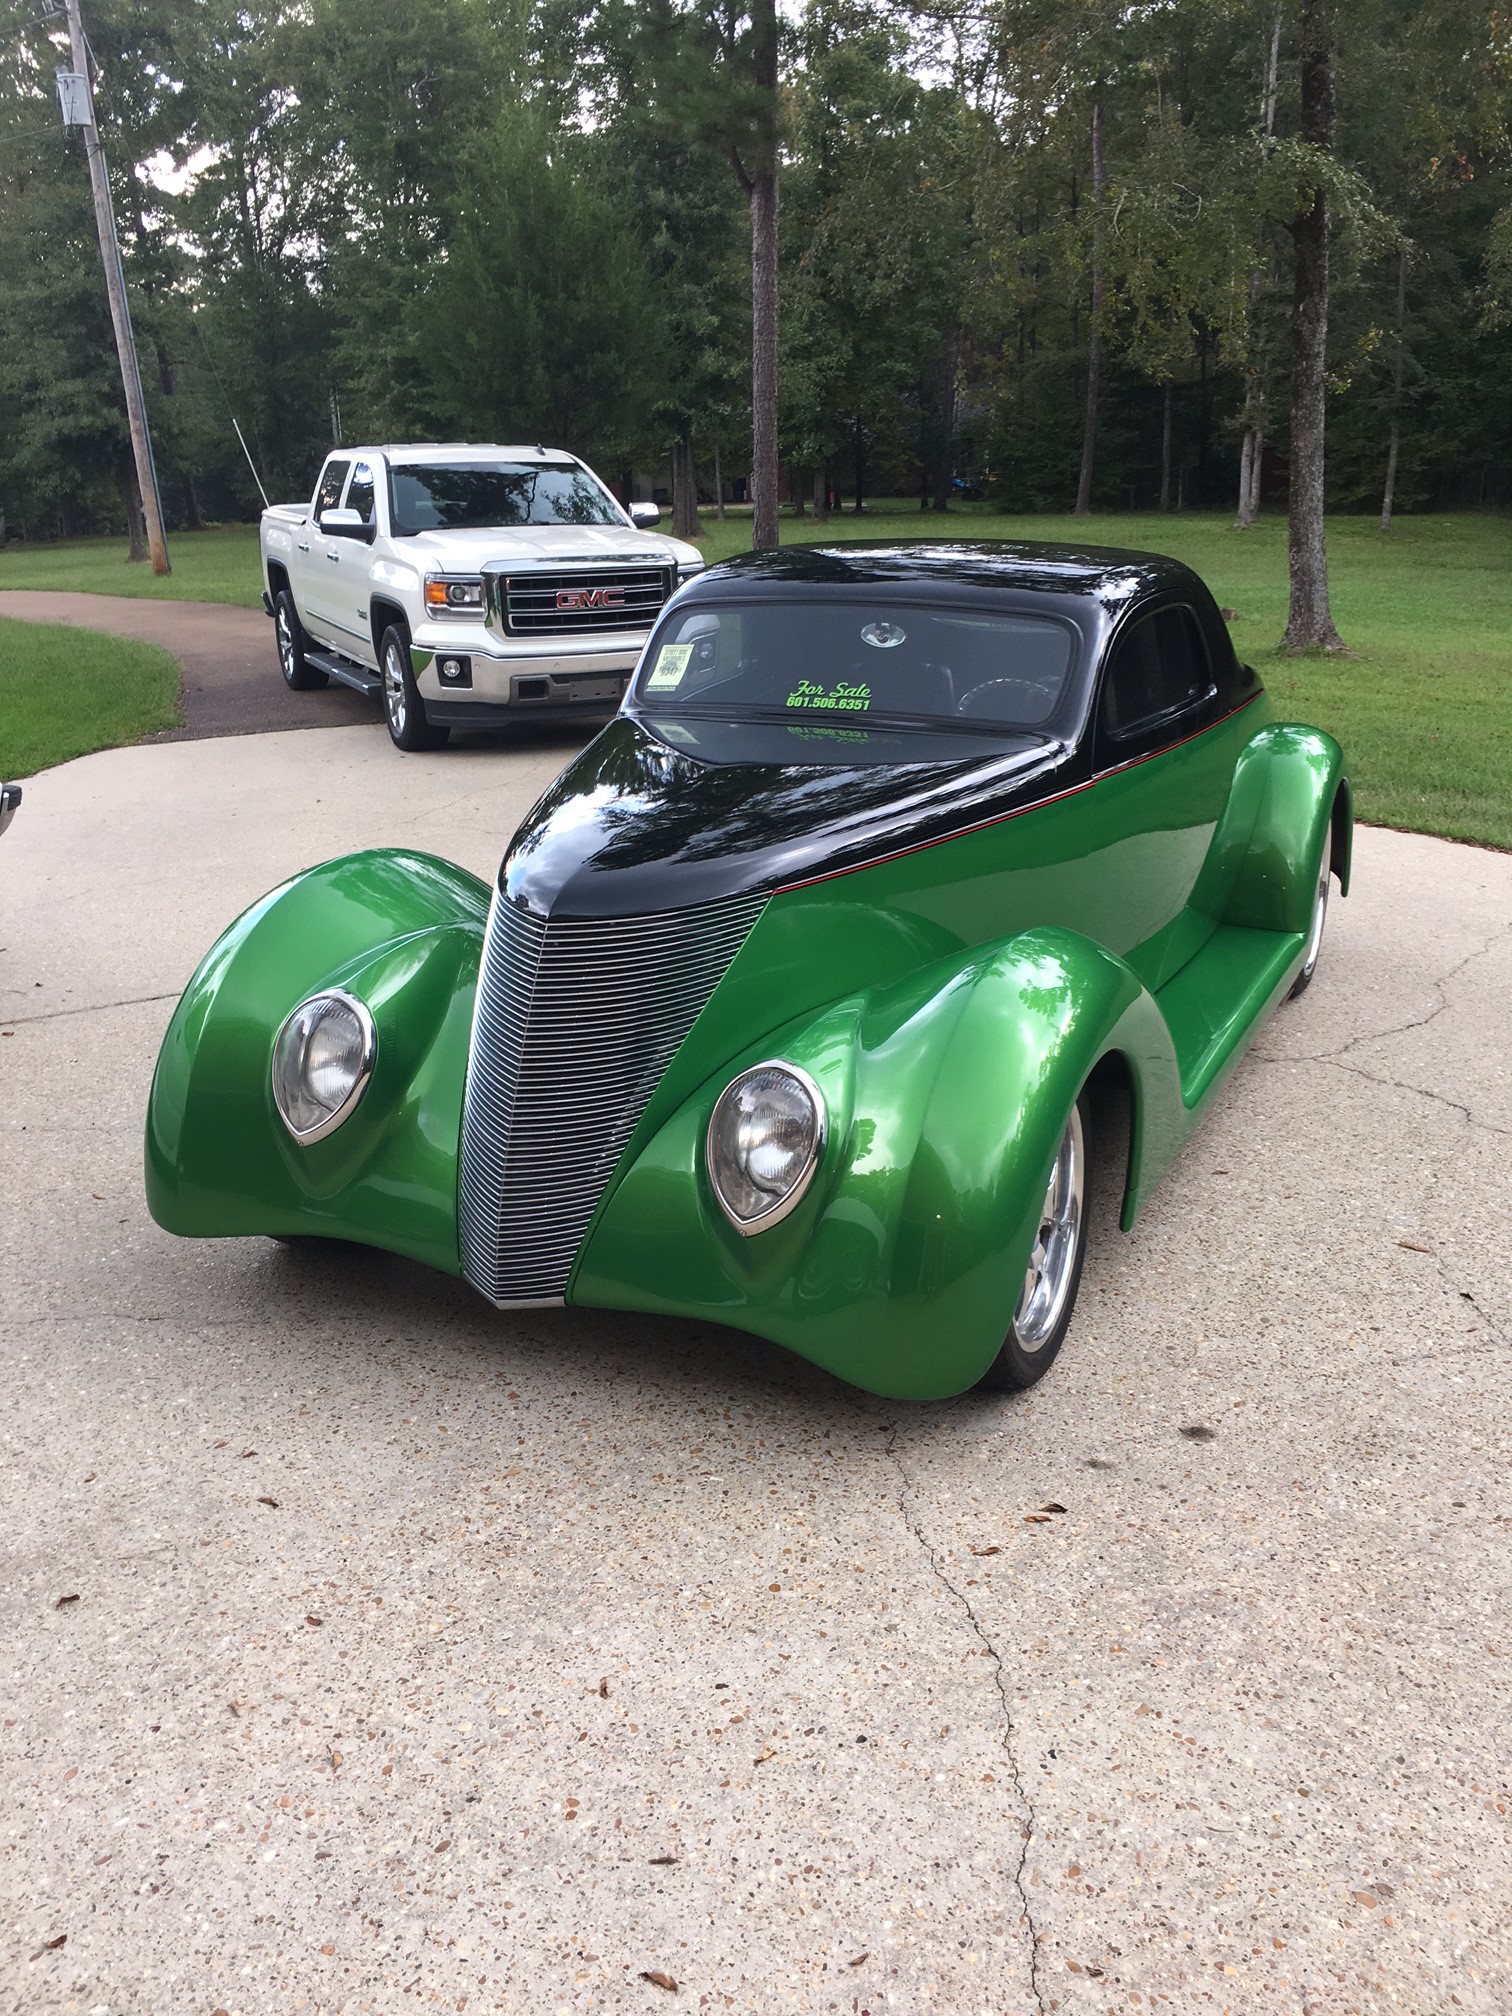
(785, 1004)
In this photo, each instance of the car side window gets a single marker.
(359, 497)
(328, 495)
(1158, 668)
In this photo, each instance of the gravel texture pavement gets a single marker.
(369, 1650)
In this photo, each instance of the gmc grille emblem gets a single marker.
(590, 598)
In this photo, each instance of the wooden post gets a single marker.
(115, 287)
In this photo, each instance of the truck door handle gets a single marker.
(304, 545)
(332, 553)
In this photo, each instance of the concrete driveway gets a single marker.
(368, 1650)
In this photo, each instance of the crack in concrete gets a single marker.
(1331, 1062)
(1026, 1808)
(90, 1008)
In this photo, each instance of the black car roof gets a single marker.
(1105, 575)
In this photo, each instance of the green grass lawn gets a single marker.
(64, 692)
(1423, 705)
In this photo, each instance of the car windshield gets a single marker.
(452, 496)
(856, 664)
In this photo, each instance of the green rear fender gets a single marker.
(401, 931)
(1261, 870)
(946, 1095)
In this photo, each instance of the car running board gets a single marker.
(358, 677)
(1218, 1000)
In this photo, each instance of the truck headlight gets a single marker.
(322, 1061)
(454, 594)
(766, 1134)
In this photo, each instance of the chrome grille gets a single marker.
(575, 1024)
(553, 603)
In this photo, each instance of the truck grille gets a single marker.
(574, 1028)
(576, 600)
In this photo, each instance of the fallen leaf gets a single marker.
(1036, 1519)
(659, 1980)
(97, 1197)
(983, 1552)
(774, 1587)
(765, 1755)
(1412, 1246)
(1198, 1433)
(662, 1861)
(90, 1478)
(64, 1601)
(1098, 1463)
(219, 1445)
(246, 1453)
(313, 1620)
(1052, 1507)
(328, 1951)
(603, 1690)
(858, 1959)
(337, 1760)
(274, 1502)
(1095, 1972)
(51, 1945)
(442, 1846)
(1073, 1870)
(1366, 1897)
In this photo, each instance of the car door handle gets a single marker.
(304, 545)
(332, 554)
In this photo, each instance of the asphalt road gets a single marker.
(232, 684)
(367, 1649)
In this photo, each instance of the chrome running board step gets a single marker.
(358, 677)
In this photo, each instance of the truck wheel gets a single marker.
(299, 674)
(402, 705)
(1048, 1296)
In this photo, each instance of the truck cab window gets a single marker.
(328, 493)
(359, 495)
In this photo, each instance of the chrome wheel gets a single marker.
(1051, 1275)
(395, 696)
(286, 652)
(1319, 919)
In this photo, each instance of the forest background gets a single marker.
(530, 220)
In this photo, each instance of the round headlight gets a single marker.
(322, 1061)
(765, 1137)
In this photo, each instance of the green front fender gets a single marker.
(403, 932)
(947, 1095)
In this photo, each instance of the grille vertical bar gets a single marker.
(575, 1025)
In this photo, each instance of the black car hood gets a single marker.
(635, 826)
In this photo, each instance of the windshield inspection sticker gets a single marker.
(671, 663)
(841, 698)
(883, 636)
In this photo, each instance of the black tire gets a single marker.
(299, 675)
(1025, 1357)
(1304, 979)
(403, 708)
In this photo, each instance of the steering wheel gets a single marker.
(1041, 697)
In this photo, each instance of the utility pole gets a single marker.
(77, 100)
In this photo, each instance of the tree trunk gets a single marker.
(1094, 346)
(946, 367)
(193, 521)
(762, 178)
(1388, 496)
(795, 489)
(1254, 390)
(719, 510)
(860, 446)
(821, 494)
(685, 520)
(1309, 623)
(1165, 445)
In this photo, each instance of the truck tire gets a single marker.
(299, 675)
(403, 708)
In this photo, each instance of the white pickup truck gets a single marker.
(468, 585)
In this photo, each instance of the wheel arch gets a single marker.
(384, 614)
(278, 580)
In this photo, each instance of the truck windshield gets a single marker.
(452, 496)
(861, 665)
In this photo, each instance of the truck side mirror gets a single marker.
(644, 516)
(344, 525)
